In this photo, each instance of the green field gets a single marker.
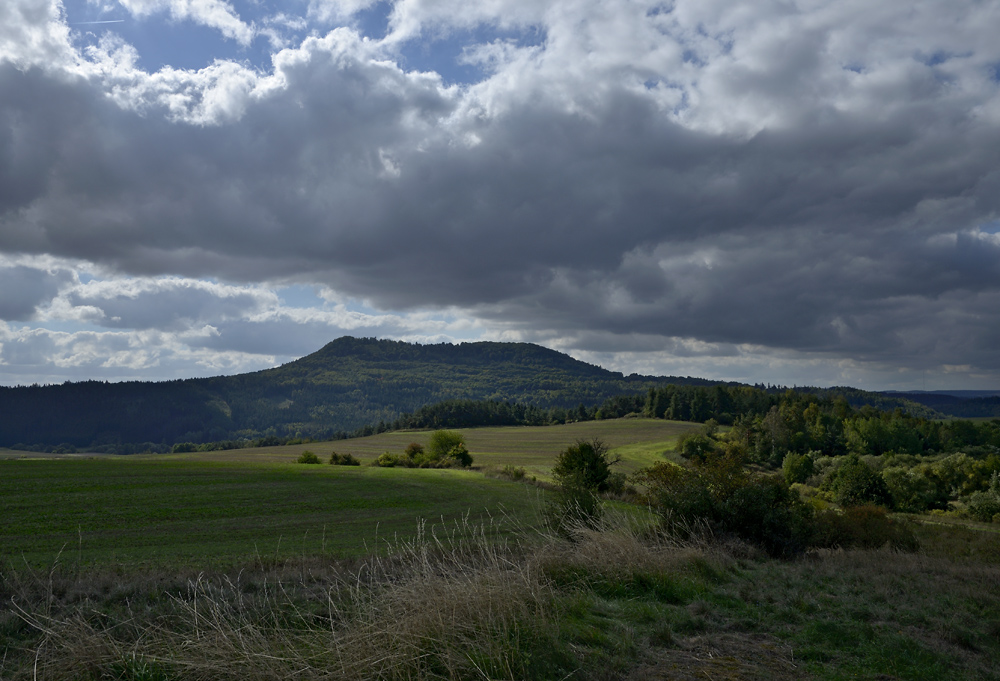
(640, 442)
(186, 512)
(224, 565)
(222, 507)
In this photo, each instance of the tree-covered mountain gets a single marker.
(356, 382)
(349, 383)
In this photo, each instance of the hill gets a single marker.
(349, 383)
(959, 403)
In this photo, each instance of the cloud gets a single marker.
(24, 289)
(212, 13)
(44, 356)
(33, 33)
(706, 176)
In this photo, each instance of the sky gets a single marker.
(794, 192)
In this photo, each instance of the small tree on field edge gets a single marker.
(583, 471)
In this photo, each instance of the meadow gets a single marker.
(219, 507)
(638, 441)
(244, 565)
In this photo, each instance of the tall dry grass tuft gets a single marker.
(619, 545)
(467, 602)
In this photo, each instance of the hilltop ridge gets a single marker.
(348, 383)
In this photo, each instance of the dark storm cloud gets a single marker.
(810, 183)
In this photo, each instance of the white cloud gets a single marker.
(212, 13)
(33, 33)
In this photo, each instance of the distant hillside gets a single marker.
(347, 384)
(962, 404)
(882, 401)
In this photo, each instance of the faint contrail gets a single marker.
(109, 21)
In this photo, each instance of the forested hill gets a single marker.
(347, 384)
(962, 404)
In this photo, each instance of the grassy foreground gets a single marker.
(485, 602)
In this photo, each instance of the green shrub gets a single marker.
(513, 472)
(582, 472)
(985, 506)
(618, 484)
(696, 446)
(414, 450)
(460, 455)
(586, 464)
(797, 467)
(184, 447)
(915, 490)
(854, 483)
(343, 460)
(861, 527)
(387, 460)
(719, 491)
(307, 457)
(442, 442)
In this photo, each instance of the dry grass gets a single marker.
(494, 602)
(473, 602)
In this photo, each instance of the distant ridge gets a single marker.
(958, 403)
(351, 383)
(348, 383)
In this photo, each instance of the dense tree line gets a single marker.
(853, 455)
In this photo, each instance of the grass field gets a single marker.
(219, 507)
(640, 442)
(131, 511)
(243, 565)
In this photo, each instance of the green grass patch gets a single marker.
(640, 442)
(166, 512)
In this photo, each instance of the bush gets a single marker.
(586, 465)
(307, 457)
(913, 490)
(719, 491)
(797, 467)
(618, 484)
(861, 527)
(696, 446)
(854, 483)
(582, 472)
(460, 455)
(985, 506)
(513, 472)
(442, 442)
(390, 460)
(184, 447)
(417, 457)
(343, 460)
